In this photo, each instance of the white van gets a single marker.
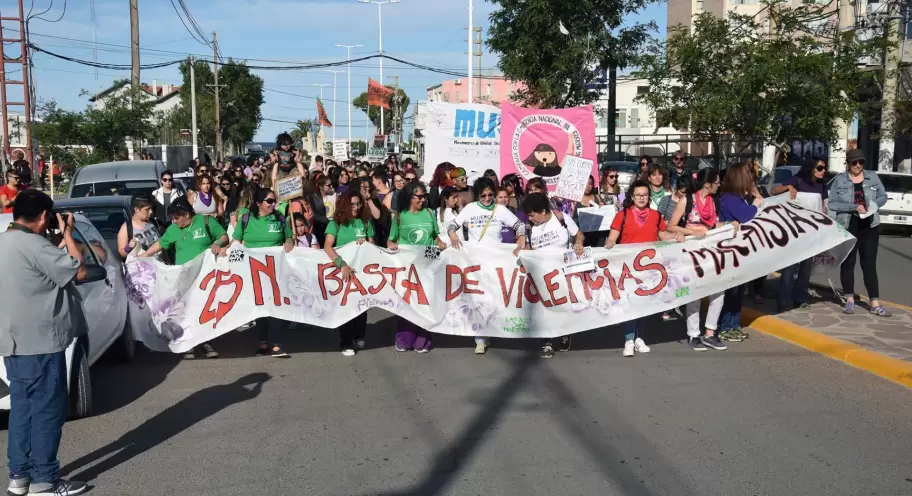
(898, 209)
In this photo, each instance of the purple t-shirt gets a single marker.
(803, 186)
(507, 235)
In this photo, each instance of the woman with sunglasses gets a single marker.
(854, 194)
(810, 179)
(263, 227)
(350, 224)
(485, 223)
(163, 197)
(610, 190)
(695, 215)
(413, 224)
(645, 162)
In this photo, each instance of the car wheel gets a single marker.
(80, 384)
(124, 349)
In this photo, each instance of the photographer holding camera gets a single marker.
(37, 322)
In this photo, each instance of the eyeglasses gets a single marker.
(398, 181)
(14, 177)
(203, 171)
(356, 204)
(410, 178)
(270, 201)
(226, 185)
(641, 196)
(676, 159)
(859, 162)
(164, 179)
(420, 197)
(820, 168)
(255, 179)
(488, 195)
(612, 176)
(644, 163)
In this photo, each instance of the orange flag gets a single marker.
(321, 115)
(377, 94)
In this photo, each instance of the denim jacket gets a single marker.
(842, 197)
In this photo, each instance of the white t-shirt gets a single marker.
(475, 217)
(552, 233)
(448, 216)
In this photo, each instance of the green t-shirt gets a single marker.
(191, 240)
(261, 232)
(351, 232)
(418, 228)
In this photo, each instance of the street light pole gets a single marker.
(334, 73)
(380, 4)
(349, 56)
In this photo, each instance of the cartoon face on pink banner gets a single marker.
(534, 142)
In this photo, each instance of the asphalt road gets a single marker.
(764, 418)
(894, 264)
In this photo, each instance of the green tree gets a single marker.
(359, 147)
(104, 130)
(239, 102)
(399, 100)
(555, 46)
(302, 129)
(724, 78)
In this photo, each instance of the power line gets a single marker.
(195, 33)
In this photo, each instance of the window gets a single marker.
(635, 117)
(489, 90)
(642, 90)
(620, 117)
(91, 246)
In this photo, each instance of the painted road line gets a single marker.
(893, 369)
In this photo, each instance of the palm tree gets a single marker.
(301, 130)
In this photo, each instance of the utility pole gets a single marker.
(335, 73)
(218, 110)
(476, 35)
(837, 155)
(380, 5)
(471, 52)
(348, 48)
(321, 86)
(134, 72)
(891, 79)
(397, 117)
(193, 108)
(23, 61)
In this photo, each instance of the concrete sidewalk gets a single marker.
(880, 345)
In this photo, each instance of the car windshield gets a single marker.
(115, 188)
(896, 184)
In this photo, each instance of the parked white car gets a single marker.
(898, 209)
(106, 326)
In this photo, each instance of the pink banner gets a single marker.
(534, 142)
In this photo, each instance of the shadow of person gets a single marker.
(167, 424)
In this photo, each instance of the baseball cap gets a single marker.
(854, 155)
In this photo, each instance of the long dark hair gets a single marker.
(259, 196)
(707, 175)
(404, 199)
(639, 183)
(445, 195)
(808, 168)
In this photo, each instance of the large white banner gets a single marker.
(467, 135)
(481, 290)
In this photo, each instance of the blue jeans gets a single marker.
(631, 329)
(790, 288)
(731, 309)
(38, 408)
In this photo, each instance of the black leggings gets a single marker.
(868, 239)
(352, 331)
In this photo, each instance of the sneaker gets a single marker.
(803, 305)
(547, 351)
(263, 350)
(210, 351)
(733, 335)
(880, 311)
(190, 355)
(695, 344)
(628, 348)
(278, 352)
(18, 485)
(349, 352)
(401, 349)
(564, 344)
(359, 344)
(640, 346)
(849, 308)
(480, 348)
(59, 488)
(422, 350)
(713, 342)
(737, 335)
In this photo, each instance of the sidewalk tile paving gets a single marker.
(890, 336)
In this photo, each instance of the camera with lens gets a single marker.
(53, 225)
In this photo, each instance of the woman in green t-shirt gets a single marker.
(350, 224)
(413, 224)
(190, 235)
(263, 227)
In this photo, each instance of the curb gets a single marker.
(893, 369)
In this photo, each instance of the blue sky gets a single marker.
(429, 32)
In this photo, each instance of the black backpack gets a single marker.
(690, 206)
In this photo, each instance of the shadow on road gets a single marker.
(167, 424)
(111, 392)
